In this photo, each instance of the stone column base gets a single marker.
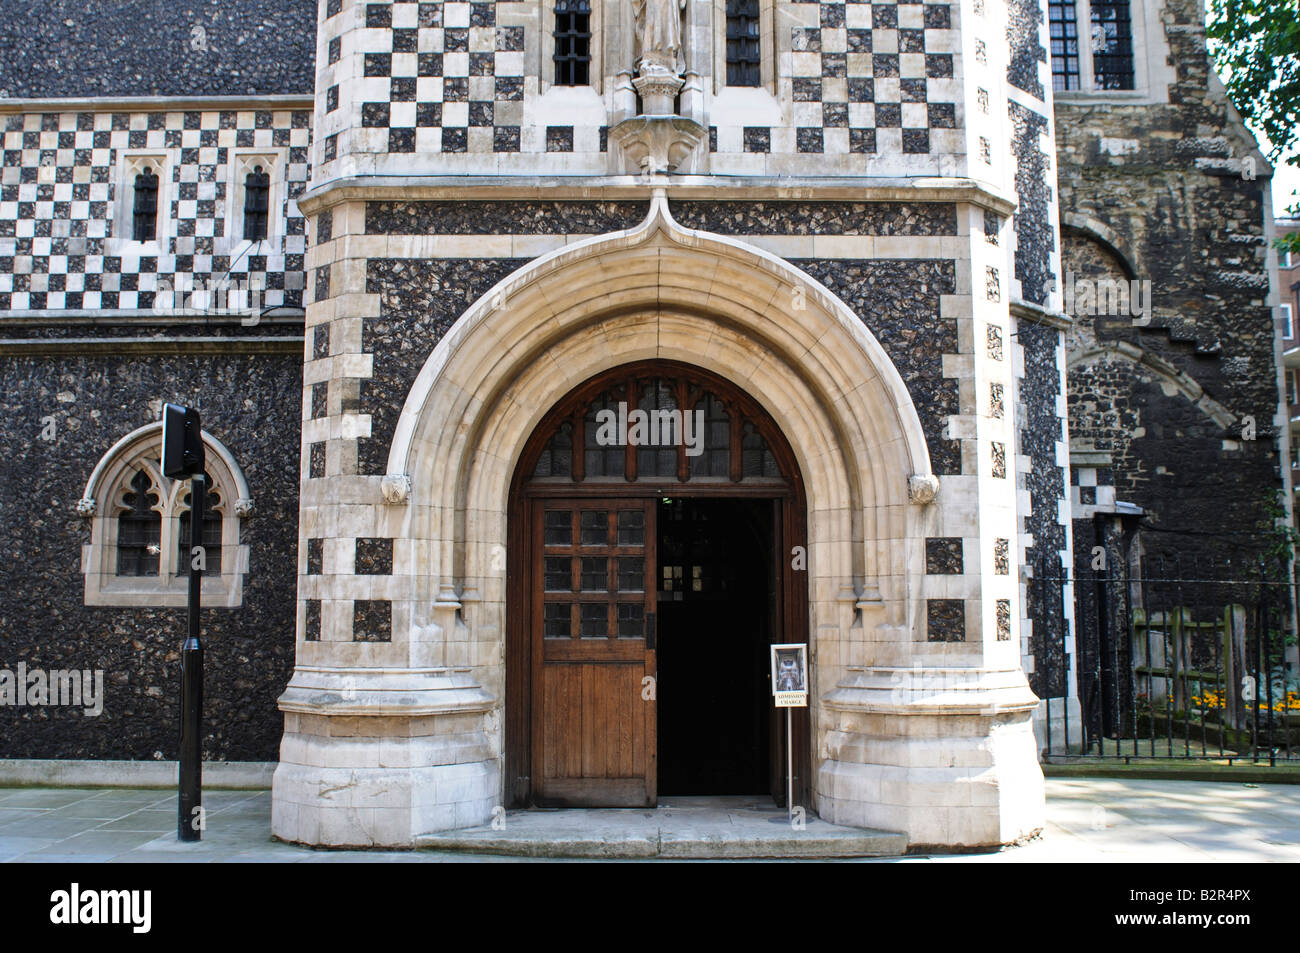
(953, 767)
(354, 772)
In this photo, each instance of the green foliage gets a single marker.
(1256, 46)
(1283, 543)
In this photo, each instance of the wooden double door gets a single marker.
(596, 683)
(651, 623)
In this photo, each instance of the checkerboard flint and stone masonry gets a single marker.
(403, 77)
(61, 174)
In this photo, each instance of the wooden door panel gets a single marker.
(593, 569)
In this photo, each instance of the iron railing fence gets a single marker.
(1178, 661)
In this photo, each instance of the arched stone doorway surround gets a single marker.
(933, 740)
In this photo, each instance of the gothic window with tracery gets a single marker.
(140, 549)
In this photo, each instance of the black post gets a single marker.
(189, 821)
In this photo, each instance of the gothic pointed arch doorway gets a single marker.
(653, 516)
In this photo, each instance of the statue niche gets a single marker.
(658, 140)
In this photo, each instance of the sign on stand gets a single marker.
(790, 690)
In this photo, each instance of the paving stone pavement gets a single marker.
(1089, 820)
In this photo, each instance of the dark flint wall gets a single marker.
(1040, 429)
(253, 405)
(82, 48)
(1182, 216)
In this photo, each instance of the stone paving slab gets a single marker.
(1107, 820)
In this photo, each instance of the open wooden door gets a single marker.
(594, 715)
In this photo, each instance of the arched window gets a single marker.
(145, 207)
(139, 529)
(139, 550)
(257, 204)
(657, 422)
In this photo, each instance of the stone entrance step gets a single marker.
(697, 828)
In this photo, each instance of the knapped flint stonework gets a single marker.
(818, 218)
(312, 621)
(316, 461)
(319, 400)
(251, 404)
(945, 620)
(1024, 20)
(502, 218)
(419, 302)
(1039, 432)
(372, 620)
(374, 557)
(1033, 219)
(994, 342)
(943, 555)
(57, 48)
(1002, 557)
(899, 302)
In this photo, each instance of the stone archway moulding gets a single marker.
(1095, 230)
(661, 291)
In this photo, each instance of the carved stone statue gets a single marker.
(659, 36)
(657, 140)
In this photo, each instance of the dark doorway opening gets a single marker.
(717, 606)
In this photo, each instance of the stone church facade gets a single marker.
(401, 286)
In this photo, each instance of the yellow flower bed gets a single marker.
(1214, 700)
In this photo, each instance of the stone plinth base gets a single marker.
(955, 766)
(355, 772)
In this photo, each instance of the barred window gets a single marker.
(572, 42)
(1112, 45)
(257, 202)
(743, 59)
(145, 209)
(1065, 44)
(139, 529)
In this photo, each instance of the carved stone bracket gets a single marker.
(86, 507)
(657, 144)
(396, 488)
(922, 488)
(243, 507)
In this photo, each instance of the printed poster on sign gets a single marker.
(790, 675)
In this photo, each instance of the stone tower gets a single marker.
(846, 210)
